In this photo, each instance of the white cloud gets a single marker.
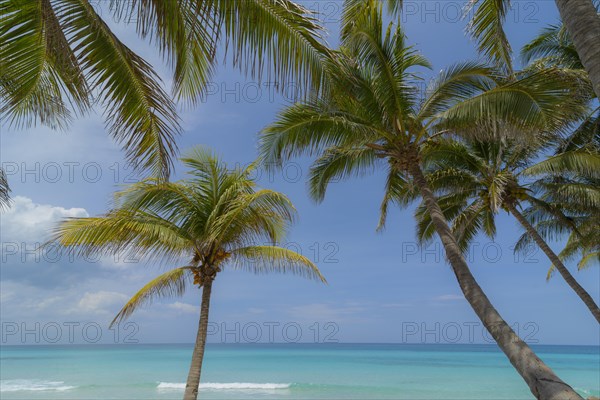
(184, 308)
(100, 302)
(31, 222)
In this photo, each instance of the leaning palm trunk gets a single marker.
(583, 25)
(542, 381)
(193, 380)
(556, 261)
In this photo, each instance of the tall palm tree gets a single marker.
(58, 58)
(213, 220)
(371, 116)
(476, 179)
(580, 18)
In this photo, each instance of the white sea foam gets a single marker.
(587, 392)
(226, 386)
(32, 385)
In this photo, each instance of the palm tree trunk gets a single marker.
(583, 25)
(564, 272)
(542, 381)
(193, 380)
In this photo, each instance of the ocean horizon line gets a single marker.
(491, 345)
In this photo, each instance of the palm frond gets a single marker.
(252, 216)
(278, 33)
(553, 47)
(277, 38)
(336, 164)
(452, 206)
(457, 83)
(169, 284)
(139, 114)
(579, 162)
(186, 33)
(355, 11)
(399, 191)
(176, 202)
(470, 221)
(576, 195)
(41, 77)
(308, 128)
(486, 26)
(4, 191)
(585, 136)
(588, 259)
(540, 101)
(264, 259)
(123, 231)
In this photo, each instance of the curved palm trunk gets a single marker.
(564, 272)
(542, 382)
(583, 25)
(193, 380)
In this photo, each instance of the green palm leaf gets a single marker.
(4, 191)
(185, 32)
(123, 231)
(578, 162)
(339, 163)
(139, 114)
(486, 26)
(552, 46)
(38, 66)
(169, 284)
(264, 259)
(280, 33)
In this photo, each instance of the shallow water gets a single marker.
(285, 371)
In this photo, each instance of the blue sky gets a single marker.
(381, 287)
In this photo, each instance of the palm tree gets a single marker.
(371, 116)
(580, 18)
(215, 219)
(476, 179)
(60, 57)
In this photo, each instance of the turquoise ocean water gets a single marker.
(286, 371)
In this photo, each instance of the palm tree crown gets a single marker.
(374, 111)
(213, 220)
(475, 179)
